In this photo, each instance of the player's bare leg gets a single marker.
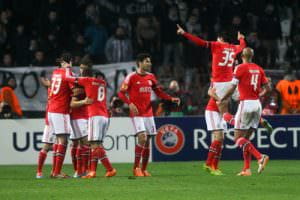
(41, 159)
(139, 147)
(223, 108)
(62, 140)
(145, 156)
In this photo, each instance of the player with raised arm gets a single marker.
(223, 56)
(98, 121)
(59, 109)
(249, 78)
(136, 92)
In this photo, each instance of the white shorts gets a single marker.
(248, 115)
(48, 135)
(222, 88)
(59, 123)
(97, 128)
(142, 124)
(213, 120)
(79, 128)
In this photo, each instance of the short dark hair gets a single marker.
(141, 57)
(65, 57)
(224, 35)
(86, 61)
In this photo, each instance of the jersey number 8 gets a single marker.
(101, 93)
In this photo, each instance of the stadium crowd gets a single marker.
(34, 33)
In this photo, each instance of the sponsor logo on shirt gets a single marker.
(145, 89)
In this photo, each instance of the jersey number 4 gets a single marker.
(227, 58)
(254, 80)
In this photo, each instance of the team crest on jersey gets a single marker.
(150, 82)
(169, 139)
(138, 82)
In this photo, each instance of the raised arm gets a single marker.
(242, 44)
(191, 37)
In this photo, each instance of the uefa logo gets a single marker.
(169, 139)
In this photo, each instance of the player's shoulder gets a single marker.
(149, 74)
(130, 76)
(239, 67)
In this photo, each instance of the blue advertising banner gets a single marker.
(186, 138)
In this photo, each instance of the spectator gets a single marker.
(270, 101)
(8, 97)
(39, 59)
(117, 108)
(289, 90)
(7, 60)
(269, 31)
(20, 44)
(5, 111)
(96, 35)
(148, 35)
(167, 108)
(118, 48)
(171, 47)
(293, 52)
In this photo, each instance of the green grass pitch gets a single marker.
(170, 181)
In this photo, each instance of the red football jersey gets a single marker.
(60, 91)
(79, 112)
(212, 105)
(249, 77)
(223, 56)
(95, 89)
(138, 88)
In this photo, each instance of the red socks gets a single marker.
(99, 153)
(104, 160)
(247, 159)
(138, 154)
(145, 158)
(85, 154)
(246, 145)
(214, 154)
(73, 156)
(79, 162)
(41, 160)
(54, 158)
(60, 156)
(94, 160)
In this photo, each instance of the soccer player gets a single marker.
(79, 122)
(136, 92)
(98, 121)
(223, 55)
(249, 78)
(59, 109)
(48, 136)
